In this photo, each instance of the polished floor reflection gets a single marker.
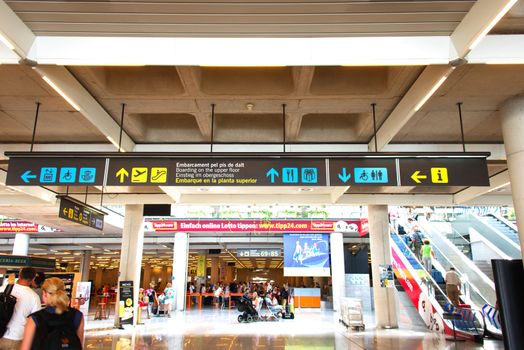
(219, 329)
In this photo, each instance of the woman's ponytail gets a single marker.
(56, 295)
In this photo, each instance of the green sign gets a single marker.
(22, 261)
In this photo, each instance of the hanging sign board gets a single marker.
(80, 213)
(380, 169)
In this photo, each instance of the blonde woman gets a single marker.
(56, 326)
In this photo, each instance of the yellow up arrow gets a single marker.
(416, 177)
(122, 174)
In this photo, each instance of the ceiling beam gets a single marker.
(397, 199)
(477, 23)
(422, 89)
(78, 96)
(19, 38)
(495, 182)
(302, 79)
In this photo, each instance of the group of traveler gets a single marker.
(29, 321)
(424, 252)
(156, 300)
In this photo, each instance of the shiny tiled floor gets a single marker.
(311, 329)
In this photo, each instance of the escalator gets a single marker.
(478, 288)
(497, 236)
(428, 297)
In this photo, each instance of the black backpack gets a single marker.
(7, 308)
(56, 332)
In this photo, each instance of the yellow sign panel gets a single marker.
(439, 175)
(159, 175)
(139, 175)
(201, 266)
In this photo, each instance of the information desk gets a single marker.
(306, 297)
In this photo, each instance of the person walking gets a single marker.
(427, 253)
(57, 326)
(27, 302)
(453, 286)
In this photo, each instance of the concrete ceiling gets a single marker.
(327, 107)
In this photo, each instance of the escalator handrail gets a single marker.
(497, 232)
(436, 288)
(469, 264)
(429, 278)
(504, 221)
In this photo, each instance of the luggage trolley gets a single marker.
(351, 314)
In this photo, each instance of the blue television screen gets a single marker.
(306, 254)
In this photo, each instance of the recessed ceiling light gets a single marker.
(305, 189)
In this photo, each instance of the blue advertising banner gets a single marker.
(306, 254)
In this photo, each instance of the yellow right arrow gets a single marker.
(416, 177)
(122, 174)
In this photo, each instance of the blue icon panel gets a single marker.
(87, 175)
(67, 175)
(290, 175)
(309, 175)
(48, 175)
(371, 175)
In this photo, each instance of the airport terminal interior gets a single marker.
(268, 174)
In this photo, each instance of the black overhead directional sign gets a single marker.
(66, 171)
(444, 172)
(80, 213)
(380, 169)
(358, 171)
(216, 172)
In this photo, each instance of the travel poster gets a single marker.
(306, 254)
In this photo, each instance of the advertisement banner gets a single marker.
(201, 266)
(306, 255)
(386, 276)
(126, 303)
(17, 226)
(83, 293)
(257, 225)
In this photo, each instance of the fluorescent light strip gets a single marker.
(61, 93)
(490, 26)
(430, 93)
(6, 42)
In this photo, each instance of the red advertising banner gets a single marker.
(257, 225)
(24, 226)
(17, 226)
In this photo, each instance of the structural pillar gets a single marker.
(180, 260)
(99, 274)
(215, 270)
(147, 276)
(512, 131)
(338, 278)
(385, 299)
(131, 254)
(21, 244)
(84, 266)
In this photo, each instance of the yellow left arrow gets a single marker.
(122, 174)
(417, 177)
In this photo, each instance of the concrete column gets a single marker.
(147, 276)
(385, 299)
(338, 279)
(131, 253)
(180, 260)
(21, 244)
(98, 278)
(215, 269)
(85, 260)
(512, 131)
